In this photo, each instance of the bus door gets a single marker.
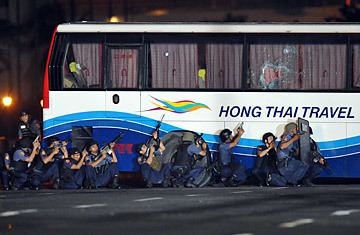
(122, 93)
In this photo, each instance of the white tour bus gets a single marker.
(103, 78)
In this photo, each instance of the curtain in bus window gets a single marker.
(223, 65)
(294, 66)
(323, 66)
(88, 58)
(174, 65)
(356, 66)
(123, 68)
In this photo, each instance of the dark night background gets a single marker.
(26, 27)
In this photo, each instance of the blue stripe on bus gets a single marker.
(126, 120)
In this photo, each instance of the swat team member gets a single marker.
(266, 157)
(49, 163)
(22, 159)
(102, 167)
(292, 169)
(232, 173)
(73, 171)
(151, 166)
(318, 161)
(27, 128)
(197, 152)
(5, 170)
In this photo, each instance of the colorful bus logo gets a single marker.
(182, 106)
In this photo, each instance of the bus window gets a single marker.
(356, 65)
(174, 65)
(297, 66)
(82, 66)
(223, 66)
(123, 68)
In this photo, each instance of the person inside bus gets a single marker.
(289, 167)
(153, 170)
(25, 154)
(78, 80)
(232, 173)
(73, 172)
(266, 156)
(49, 163)
(101, 167)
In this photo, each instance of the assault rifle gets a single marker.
(151, 142)
(106, 148)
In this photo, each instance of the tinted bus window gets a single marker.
(214, 66)
(297, 66)
(223, 66)
(123, 64)
(356, 65)
(82, 67)
(174, 65)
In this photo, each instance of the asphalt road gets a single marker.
(243, 210)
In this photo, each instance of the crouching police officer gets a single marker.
(197, 152)
(266, 157)
(22, 159)
(290, 168)
(73, 171)
(101, 167)
(48, 164)
(153, 170)
(318, 164)
(232, 173)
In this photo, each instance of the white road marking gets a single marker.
(296, 223)
(195, 195)
(243, 234)
(13, 213)
(238, 192)
(89, 206)
(148, 199)
(344, 212)
(277, 188)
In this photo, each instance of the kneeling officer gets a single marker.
(73, 171)
(232, 173)
(102, 167)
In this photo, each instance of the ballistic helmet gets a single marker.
(290, 126)
(225, 135)
(266, 135)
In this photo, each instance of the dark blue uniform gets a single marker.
(264, 165)
(72, 178)
(103, 174)
(229, 169)
(21, 168)
(293, 170)
(46, 172)
(153, 176)
(315, 169)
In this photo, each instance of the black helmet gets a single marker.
(73, 151)
(225, 135)
(266, 135)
